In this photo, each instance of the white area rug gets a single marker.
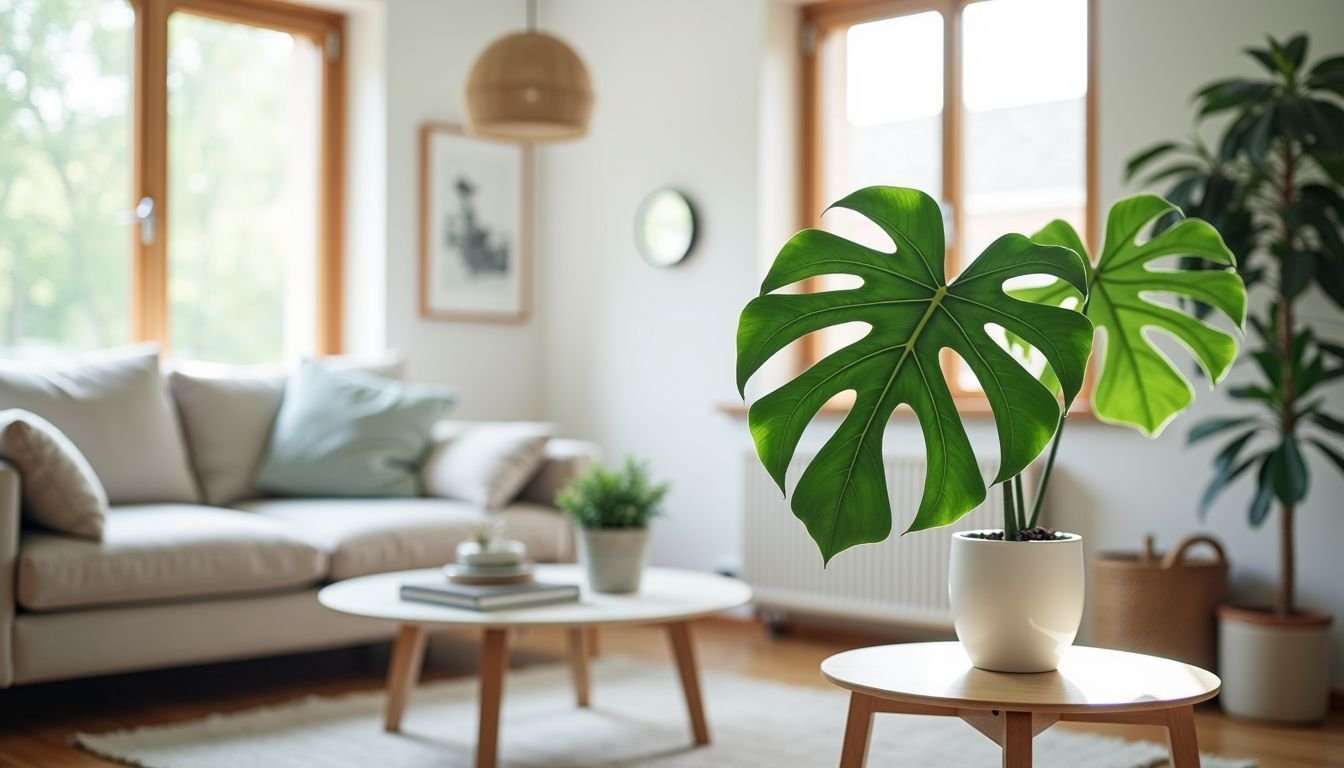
(638, 718)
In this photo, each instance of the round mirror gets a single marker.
(665, 228)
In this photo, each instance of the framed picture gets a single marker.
(475, 227)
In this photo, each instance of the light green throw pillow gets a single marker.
(343, 433)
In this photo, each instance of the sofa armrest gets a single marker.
(9, 556)
(565, 460)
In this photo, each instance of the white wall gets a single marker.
(637, 357)
(431, 45)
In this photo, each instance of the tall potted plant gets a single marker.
(915, 313)
(1274, 183)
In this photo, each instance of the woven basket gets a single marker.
(1164, 606)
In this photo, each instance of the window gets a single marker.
(984, 104)
(171, 171)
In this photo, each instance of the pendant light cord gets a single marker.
(531, 15)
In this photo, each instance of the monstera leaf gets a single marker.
(1129, 297)
(914, 313)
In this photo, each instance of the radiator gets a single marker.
(902, 580)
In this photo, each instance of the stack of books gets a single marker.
(477, 597)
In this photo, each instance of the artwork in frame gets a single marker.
(475, 226)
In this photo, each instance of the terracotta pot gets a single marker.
(1274, 668)
(1016, 605)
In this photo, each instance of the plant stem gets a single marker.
(1009, 516)
(1019, 505)
(1045, 473)
(1284, 599)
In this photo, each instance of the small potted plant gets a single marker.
(1275, 188)
(1016, 593)
(612, 508)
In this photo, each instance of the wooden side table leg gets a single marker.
(1181, 734)
(578, 663)
(1017, 740)
(680, 634)
(494, 659)
(858, 728)
(408, 655)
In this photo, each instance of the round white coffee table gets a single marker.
(669, 597)
(1092, 685)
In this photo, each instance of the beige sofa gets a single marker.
(183, 583)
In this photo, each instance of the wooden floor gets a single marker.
(36, 722)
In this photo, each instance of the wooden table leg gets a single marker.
(1181, 734)
(408, 654)
(680, 634)
(592, 642)
(1017, 740)
(494, 659)
(578, 663)
(857, 730)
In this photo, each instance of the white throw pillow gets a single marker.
(487, 462)
(228, 412)
(60, 489)
(114, 406)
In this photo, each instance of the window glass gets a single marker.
(243, 127)
(1024, 158)
(65, 181)
(881, 91)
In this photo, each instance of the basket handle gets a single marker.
(1177, 555)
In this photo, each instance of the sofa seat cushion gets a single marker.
(364, 536)
(162, 552)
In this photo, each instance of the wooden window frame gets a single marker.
(820, 19)
(149, 273)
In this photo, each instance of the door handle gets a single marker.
(148, 218)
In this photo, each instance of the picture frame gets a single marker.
(475, 227)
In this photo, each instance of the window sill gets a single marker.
(973, 408)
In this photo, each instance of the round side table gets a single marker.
(1092, 685)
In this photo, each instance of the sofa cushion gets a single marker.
(366, 536)
(487, 462)
(115, 408)
(165, 551)
(60, 490)
(564, 461)
(227, 413)
(344, 433)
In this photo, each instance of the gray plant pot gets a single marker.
(614, 557)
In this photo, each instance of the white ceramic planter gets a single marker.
(1274, 668)
(1016, 605)
(614, 557)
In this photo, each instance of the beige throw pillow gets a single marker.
(114, 405)
(227, 413)
(60, 489)
(485, 463)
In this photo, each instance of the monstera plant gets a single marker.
(915, 313)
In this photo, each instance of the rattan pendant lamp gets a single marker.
(529, 87)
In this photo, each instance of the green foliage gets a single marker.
(613, 498)
(1275, 181)
(1137, 385)
(1293, 111)
(914, 314)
